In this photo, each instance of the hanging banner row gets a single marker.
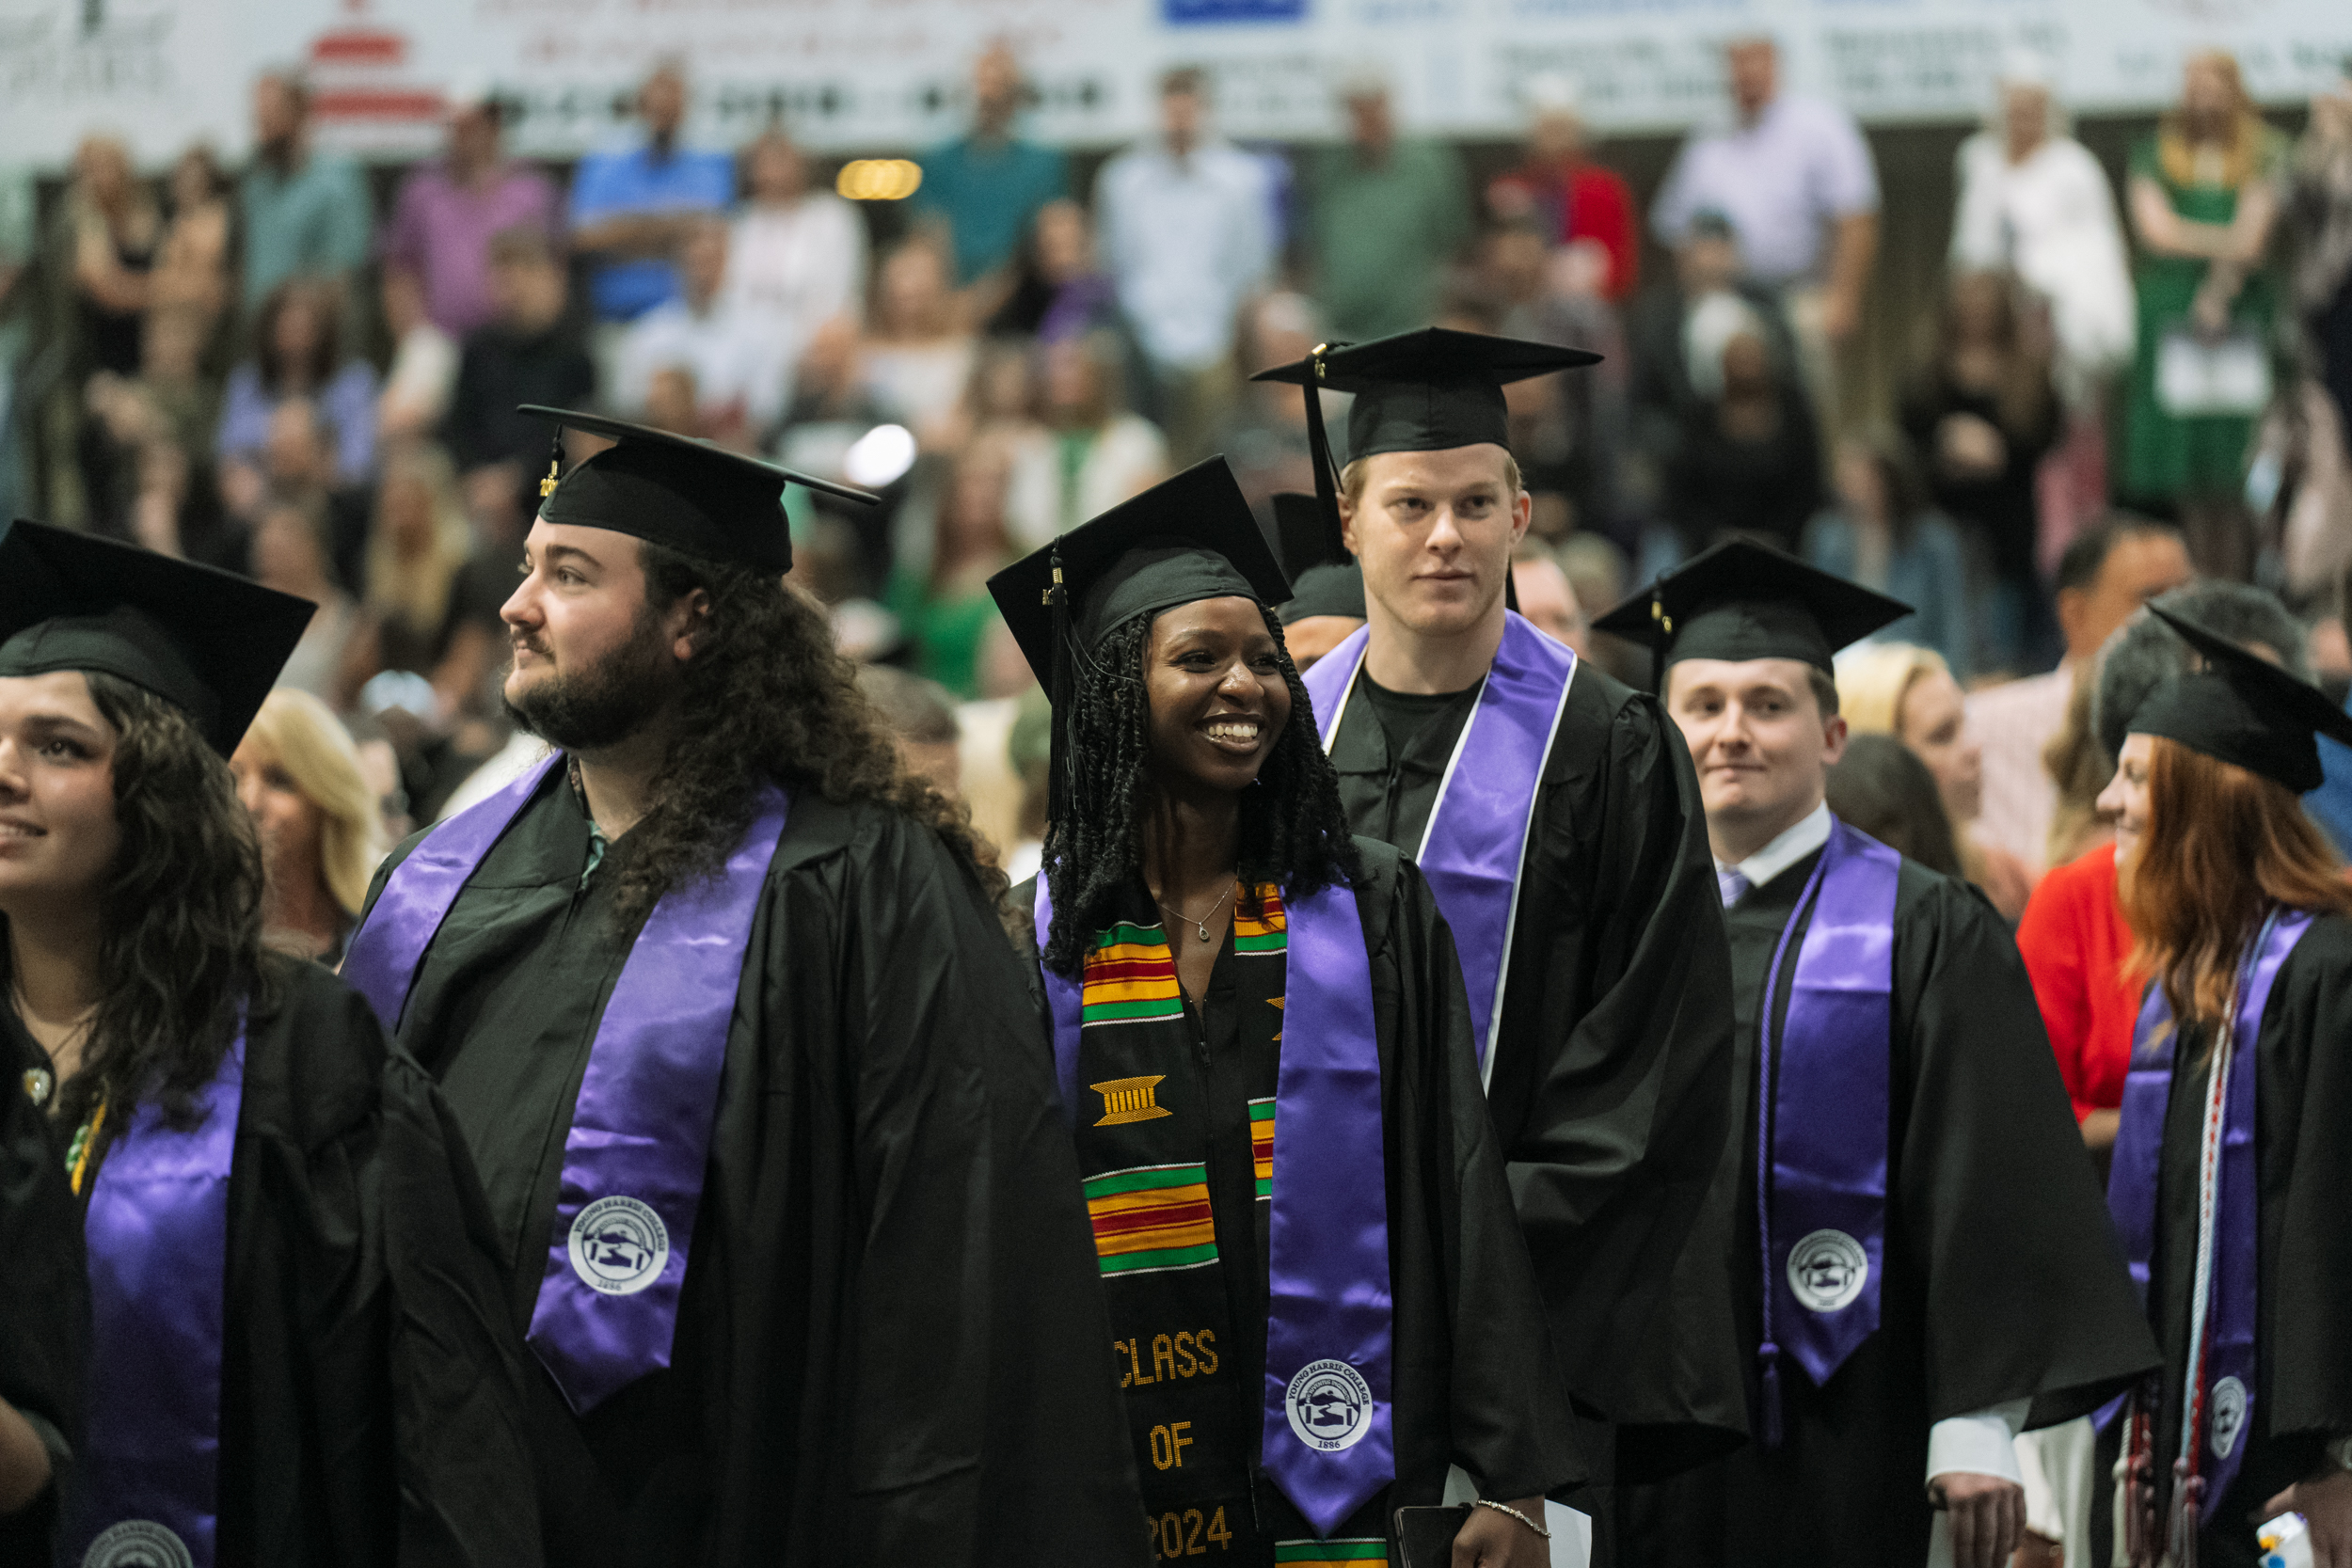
(889, 74)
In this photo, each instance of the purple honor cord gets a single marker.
(1328, 1440)
(1822, 1105)
(157, 1230)
(640, 1139)
(1476, 845)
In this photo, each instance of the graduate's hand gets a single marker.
(1491, 1539)
(1987, 1515)
(2324, 1501)
(24, 1461)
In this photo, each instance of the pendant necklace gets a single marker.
(1201, 926)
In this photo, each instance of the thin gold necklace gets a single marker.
(1201, 924)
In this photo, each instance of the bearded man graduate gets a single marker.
(770, 1139)
(1555, 815)
(1919, 1263)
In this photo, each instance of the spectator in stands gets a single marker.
(1748, 457)
(1100, 453)
(1879, 787)
(1982, 413)
(921, 720)
(739, 358)
(2035, 202)
(942, 607)
(297, 354)
(796, 257)
(2108, 572)
(1879, 531)
(917, 356)
(113, 227)
(2204, 200)
(318, 819)
(1264, 441)
(303, 213)
(169, 402)
(191, 269)
(298, 467)
(1386, 215)
(1795, 178)
(981, 192)
(449, 210)
(290, 554)
(2319, 220)
(1577, 204)
(1906, 692)
(432, 600)
(1058, 288)
(530, 353)
(424, 371)
(1546, 595)
(1186, 228)
(632, 208)
(18, 243)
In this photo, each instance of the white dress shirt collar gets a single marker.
(1792, 845)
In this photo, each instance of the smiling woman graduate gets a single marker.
(234, 1339)
(1319, 1297)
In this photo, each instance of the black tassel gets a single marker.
(1659, 643)
(1770, 1354)
(1326, 467)
(1061, 767)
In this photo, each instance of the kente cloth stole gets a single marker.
(147, 1486)
(640, 1139)
(2219, 1382)
(1822, 1107)
(1126, 1057)
(1476, 845)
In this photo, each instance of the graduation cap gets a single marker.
(209, 641)
(1186, 538)
(1429, 390)
(1742, 600)
(2243, 710)
(675, 490)
(1319, 586)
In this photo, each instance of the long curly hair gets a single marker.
(1294, 832)
(181, 914)
(767, 698)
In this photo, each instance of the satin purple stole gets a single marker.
(2229, 1382)
(1476, 841)
(1329, 1438)
(147, 1488)
(634, 1159)
(1822, 1094)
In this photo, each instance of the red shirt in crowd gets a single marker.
(2075, 941)
(1588, 203)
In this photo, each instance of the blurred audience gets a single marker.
(448, 211)
(423, 369)
(1264, 437)
(2319, 226)
(1546, 595)
(1880, 785)
(1748, 457)
(1057, 287)
(319, 821)
(1879, 531)
(290, 554)
(1099, 453)
(431, 599)
(1579, 205)
(796, 256)
(739, 358)
(191, 269)
(297, 352)
(302, 212)
(631, 208)
(917, 354)
(113, 227)
(982, 191)
(922, 723)
(1386, 214)
(942, 607)
(530, 352)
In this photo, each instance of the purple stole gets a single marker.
(1476, 841)
(633, 1160)
(1331, 1318)
(148, 1487)
(1822, 1104)
(2223, 1371)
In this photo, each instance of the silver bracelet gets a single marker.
(1506, 1508)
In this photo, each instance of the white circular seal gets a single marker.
(2229, 1416)
(1329, 1405)
(1827, 1271)
(137, 1544)
(619, 1245)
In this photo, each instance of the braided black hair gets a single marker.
(1294, 832)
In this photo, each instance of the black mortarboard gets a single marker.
(1319, 586)
(675, 490)
(1190, 537)
(1742, 600)
(1429, 390)
(2243, 710)
(208, 641)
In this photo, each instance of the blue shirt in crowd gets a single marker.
(1928, 573)
(314, 219)
(988, 191)
(613, 184)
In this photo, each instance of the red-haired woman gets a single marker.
(2232, 1171)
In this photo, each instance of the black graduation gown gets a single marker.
(2003, 1279)
(2303, 1164)
(1611, 1085)
(1472, 1361)
(889, 1345)
(362, 1409)
(44, 1290)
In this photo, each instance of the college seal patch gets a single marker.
(2229, 1416)
(619, 1245)
(137, 1544)
(1329, 1405)
(1827, 1271)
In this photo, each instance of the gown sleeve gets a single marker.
(1615, 1116)
(2306, 1277)
(2025, 1292)
(44, 1308)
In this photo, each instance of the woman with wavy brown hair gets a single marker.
(2232, 1169)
